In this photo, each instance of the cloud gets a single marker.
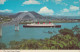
(70, 9)
(23, 11)
(47, 0)
(30, 2)
(69, 12)
(75, 2)
(74, 8)
(2, 1)
(52, 0)
(65, 10)
(46, 11)
(79, 13)
(58, 1)
(64, 4)
(6, 10)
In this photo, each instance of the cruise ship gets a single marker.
(41, 25)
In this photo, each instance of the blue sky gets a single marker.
(44, 7)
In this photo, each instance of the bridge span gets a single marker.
(16, 21)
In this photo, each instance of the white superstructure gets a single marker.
(34, 24)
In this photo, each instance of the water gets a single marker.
(9, 34)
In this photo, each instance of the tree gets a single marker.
(2, 46)
(65, 42)
(66, 31)
(76, 31)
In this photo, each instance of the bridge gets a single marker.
(16, 21)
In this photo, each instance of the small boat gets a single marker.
(42, 25)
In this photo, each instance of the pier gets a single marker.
(17, 27)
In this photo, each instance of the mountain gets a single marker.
(63, 17)
(15, 15)
(5, 14)
(38, 16)
(67, 17)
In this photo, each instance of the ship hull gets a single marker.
(57, 26)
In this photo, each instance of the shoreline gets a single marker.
(55, 22)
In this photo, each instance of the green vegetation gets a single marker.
(66, 31)
(55, 42)
(2, 46)
(4, 19)
(66, 39)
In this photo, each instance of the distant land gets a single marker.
(38, 16)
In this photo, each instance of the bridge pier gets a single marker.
(0, 31)
(17, 27)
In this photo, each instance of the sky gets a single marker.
(43, 7)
